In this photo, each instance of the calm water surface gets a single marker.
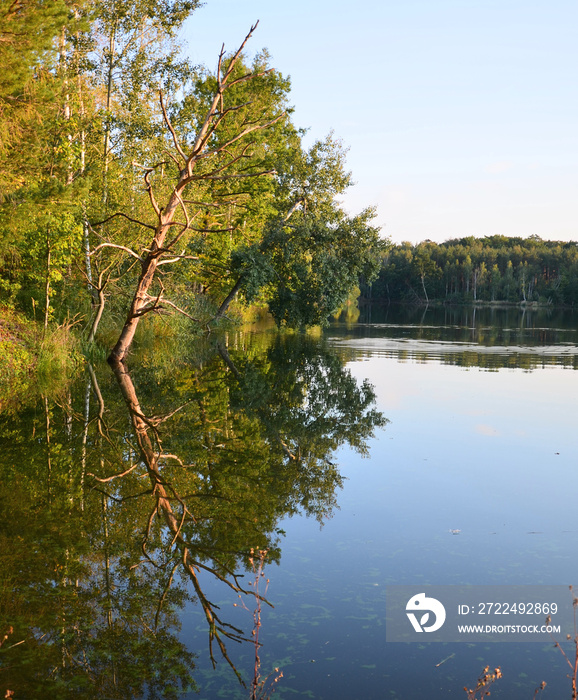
(277, 442)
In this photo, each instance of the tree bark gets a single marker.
(99, 312)
(230, 296)
(149, 267)
(47, 285)
(424, 289)
(142, 302)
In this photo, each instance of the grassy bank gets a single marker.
(35, 360)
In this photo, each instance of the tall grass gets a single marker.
(36, 361)
(59, 356)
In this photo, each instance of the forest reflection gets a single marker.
(490, 338)
(117, 496)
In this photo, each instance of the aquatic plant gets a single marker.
(485, 679)
(261, 688)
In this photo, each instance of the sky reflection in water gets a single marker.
(481, 439)
(491, 453)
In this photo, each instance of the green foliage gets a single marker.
(491, 269)
(85, 124)
(58, 358)
(17, 370)
(35, 362)
(28, 32)
(313, 264)
(310, 255)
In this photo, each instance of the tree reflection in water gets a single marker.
(107, 523)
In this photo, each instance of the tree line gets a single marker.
(490, 269)
(133, 182)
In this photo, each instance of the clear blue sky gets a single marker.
(461, 116)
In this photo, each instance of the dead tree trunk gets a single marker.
(160, 248)
(141, 300)
(229, 298)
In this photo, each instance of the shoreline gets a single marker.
(522, 305)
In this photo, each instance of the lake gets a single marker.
(131, 503)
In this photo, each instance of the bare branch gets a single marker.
(164, 594)
(114, 245)
(219, 65)
(158, 420)
(114, 476)
(152, 198)
(177, 534)
(248, 130)
(147, 532)
(174, 306)
(203, 135)
(194, 228)
(177, 258)
(232, 108)
(250, 76)
(234, 159)
(171, 129)
(222, 114)
(174, 159)
(187, 225)
(146, 310)
(293, 209)
(125, 216)
(216, 205)
(168, 455)
(239, 52)
(150, 167)
(241, 175)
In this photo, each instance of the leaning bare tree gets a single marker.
(175, 218)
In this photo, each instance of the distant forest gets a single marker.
(491, 269)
